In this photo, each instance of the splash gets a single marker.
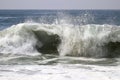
(64, 39)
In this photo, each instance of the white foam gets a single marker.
(83, 40)
(59, 72)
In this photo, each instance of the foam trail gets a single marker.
(65, 39)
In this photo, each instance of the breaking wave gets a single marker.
(89, 40)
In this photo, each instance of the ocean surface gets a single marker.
(59, 44)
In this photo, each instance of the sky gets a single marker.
(59, 4)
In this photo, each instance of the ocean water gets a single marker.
(59, 44)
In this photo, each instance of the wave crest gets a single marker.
(65, 39)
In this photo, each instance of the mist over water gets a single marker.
(51, 43)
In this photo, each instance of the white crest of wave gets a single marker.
(84, 40)
(17, 39)
(88, 40)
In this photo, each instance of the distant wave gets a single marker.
(89, 40)
(4, 18)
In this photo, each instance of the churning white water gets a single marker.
(39, 51)
(59, 72)
(59, 45)
(86, 40)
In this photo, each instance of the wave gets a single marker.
(89, 40)
(4, 18)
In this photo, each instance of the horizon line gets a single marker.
(59, 9)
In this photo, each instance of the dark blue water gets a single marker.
(76, 17)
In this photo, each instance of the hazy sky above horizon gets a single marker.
(59, 4)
